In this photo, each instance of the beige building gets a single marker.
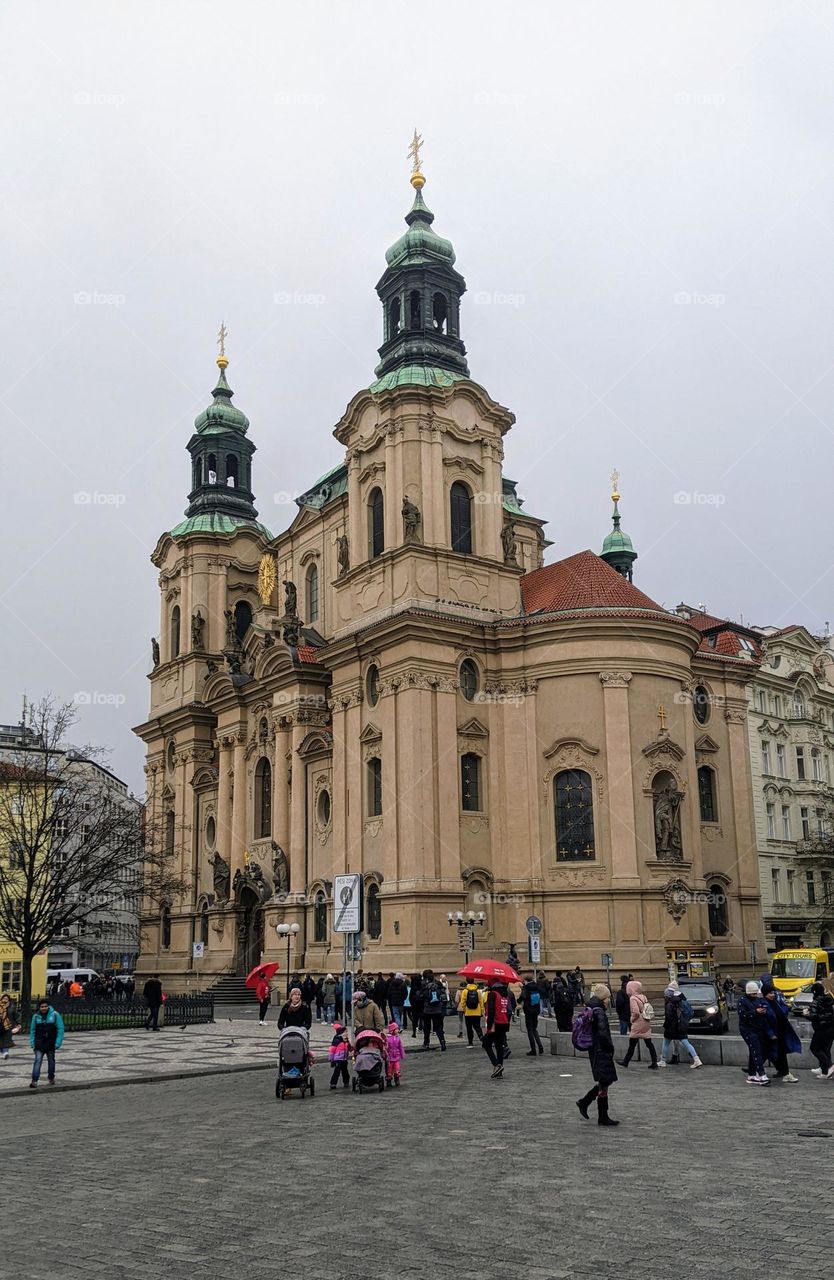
(395, 686)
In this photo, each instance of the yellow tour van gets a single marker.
(794, 968)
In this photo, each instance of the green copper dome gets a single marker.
(415, 375)
(420, 246)
(221, 415)
(214, 522)
(617, 540)
(618, 549)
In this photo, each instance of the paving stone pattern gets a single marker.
(452, 1175)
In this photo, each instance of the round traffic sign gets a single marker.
(534, 925)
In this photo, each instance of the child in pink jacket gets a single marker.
(396, 1053)
(338, 1054)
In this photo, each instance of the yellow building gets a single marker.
(11, 970)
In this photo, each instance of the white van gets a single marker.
(71, 975)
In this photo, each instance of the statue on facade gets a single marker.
(220, 876)
(411, 521)
(508, 542)
(155, 651)
(290, 599)
(343, 554)
(667, 823)
(231, 629)
(258, 879)
(280, 870)
(197, 624)
(292, 633)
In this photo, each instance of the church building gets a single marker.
(397, 686)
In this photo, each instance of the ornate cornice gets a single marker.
(615, 679)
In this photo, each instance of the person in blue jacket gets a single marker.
(754, 1028)
(46, 1035)
(784, 1039)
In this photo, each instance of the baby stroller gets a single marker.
(294, 1063)
(369, 1062)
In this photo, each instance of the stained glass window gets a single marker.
(574, 799)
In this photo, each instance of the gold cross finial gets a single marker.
(615, 485)
(222, 335)
(661, 715)
(417, 179)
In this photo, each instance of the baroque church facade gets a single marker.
(397, 686)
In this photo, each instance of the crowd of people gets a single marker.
(97, 987)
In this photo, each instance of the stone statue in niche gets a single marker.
(667, 822)
(220, 876)
(343, 554)
(231, 629)
(290, 599)
(197, 624)
(280, 870)
(155, 651)
(411, 521)
(508, 542)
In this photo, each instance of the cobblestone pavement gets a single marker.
(97, 1057)
(454, 1173)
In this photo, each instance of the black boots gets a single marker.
(603, 1116)
(584, 1103)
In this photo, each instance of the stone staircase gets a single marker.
(231, 989)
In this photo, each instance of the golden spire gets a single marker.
(615, 486)
(417, 180)
(222, 335)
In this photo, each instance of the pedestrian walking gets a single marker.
(753, 1028)
(395, 1055)
(562, 1002)
(415, 999)
(600, 1056)
(498, 1014)
(46, 1035)
(295, 1012)
(328, 996)
(9, 1025)
(783, 1039)
(821, 1014)
(473, 1011)
(308, 990)
(338, 1054)
(729, 989)
(640, 1028)
(676, 1014)
(397, 998)
(367, 1015)
(152, 991)
(546, 994)
(263, 994)
(319, 998)
(622, 1004)
(379, 994)
(434, 1009)
(460, 1007)
(531, 1004)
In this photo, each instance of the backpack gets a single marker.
(647, 1011)
(433, 994)
(473, 998)
(535, 999)
(582, 1036)
(501, 1017)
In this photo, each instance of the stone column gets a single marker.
(297, 851)
(490, 514)
(625, 870)
(437, 496)
(426, 501)
(340, 792)
(357, 533)
(393, 520)
(223, 842)
(239, 803)
(280, 790)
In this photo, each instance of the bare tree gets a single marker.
(70, 845)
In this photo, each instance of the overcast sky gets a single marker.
(640, 197)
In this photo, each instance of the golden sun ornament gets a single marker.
(267, 577)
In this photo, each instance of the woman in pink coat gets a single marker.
(395, 1054)
(641, 1028)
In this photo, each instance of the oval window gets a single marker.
(324, 808)
(372, 684)
(171, 757)
(211, 832)
(700, 704)
(468, 679)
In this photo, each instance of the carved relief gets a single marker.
(615, 679)
(474, 822)
(576, 876)
(322, 828)
(572, 753)
(677, 895)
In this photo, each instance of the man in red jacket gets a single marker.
(263, 991)
(497, 1025)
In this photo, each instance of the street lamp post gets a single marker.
(287, 931)
(466, 926)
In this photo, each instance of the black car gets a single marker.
(709, 1005)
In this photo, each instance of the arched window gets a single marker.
(263, 799)
(374, 912)
(439, 312)
(470, 782)
(320, 918)
(461, 508)
(169, 833)
(212, 469)
(323, 808)
(574, 802)
(165, 927)
(204, 927)
(798, 705)
(211, 831)
(717, 911)
(372, 685)
(701, 704)
(394, 317)
(415, 310)
(376, 523)
(706, 794)
(469, 679)
(374, 787)
(198, 472)
(175, 631)
(243, 619)
(231, 470)
(312, 593)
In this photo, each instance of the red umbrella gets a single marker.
(262, 972)
(489, 971)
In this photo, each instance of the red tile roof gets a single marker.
(721, 635)
(582, 582)
(306, 653)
